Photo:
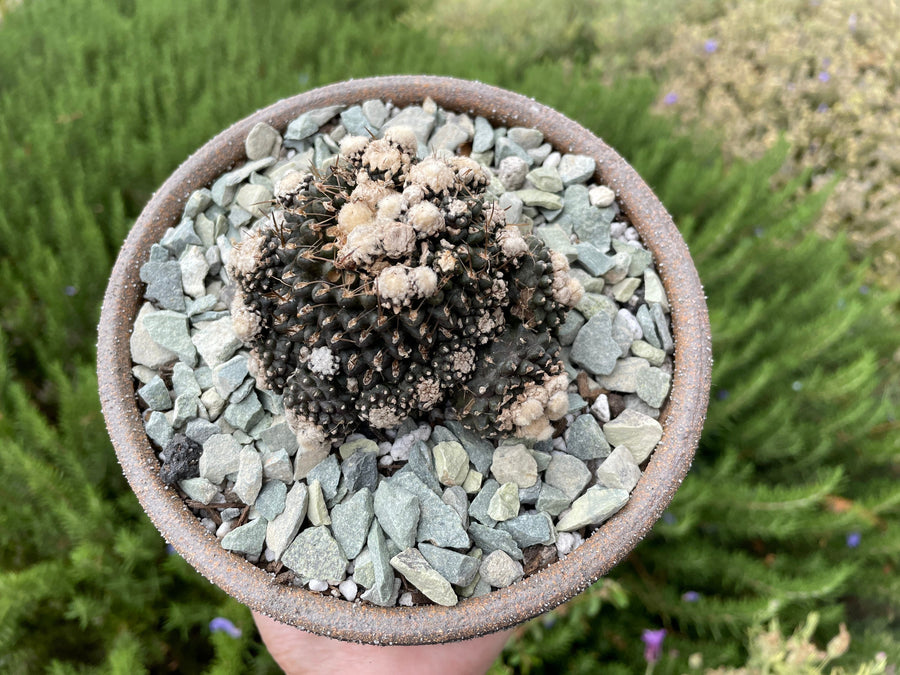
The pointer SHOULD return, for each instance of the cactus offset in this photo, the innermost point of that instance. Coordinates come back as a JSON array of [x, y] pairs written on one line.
[[390, 287]]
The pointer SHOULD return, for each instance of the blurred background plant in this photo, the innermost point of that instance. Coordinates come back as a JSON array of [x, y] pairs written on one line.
[[793, 502]]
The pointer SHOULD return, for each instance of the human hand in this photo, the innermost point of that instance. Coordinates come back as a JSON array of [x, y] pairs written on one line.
[[299, 652]]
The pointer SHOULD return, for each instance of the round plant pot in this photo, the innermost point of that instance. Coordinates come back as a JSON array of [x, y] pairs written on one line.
[[682, 416]]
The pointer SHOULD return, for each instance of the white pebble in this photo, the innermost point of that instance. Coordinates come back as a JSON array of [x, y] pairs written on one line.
[[348, 589], [631, 234], [317, 585], [385, 460], [269, 555], [226, 527], [565, 542], [601, 196], [405, 600], [384, 448], [559, 444], [209, 524], [600, 409]]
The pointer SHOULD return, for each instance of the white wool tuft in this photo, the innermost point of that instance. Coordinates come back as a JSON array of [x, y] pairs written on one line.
[[352, 215], [391, 206], [397, 239], [392, 285], [350, 145], [403, 136], [424, 281], [433, 174], [425, 218], [512, 243], [322, 361]]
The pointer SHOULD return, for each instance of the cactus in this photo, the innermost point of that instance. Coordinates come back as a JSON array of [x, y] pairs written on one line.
[[390, 287]]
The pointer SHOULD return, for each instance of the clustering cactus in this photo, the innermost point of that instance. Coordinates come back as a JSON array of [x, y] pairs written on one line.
[[390, 287]]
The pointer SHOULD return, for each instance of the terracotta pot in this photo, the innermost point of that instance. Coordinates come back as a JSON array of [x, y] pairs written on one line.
[[682, 417]]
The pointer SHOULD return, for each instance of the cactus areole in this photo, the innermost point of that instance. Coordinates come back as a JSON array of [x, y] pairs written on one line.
[[389, 288]]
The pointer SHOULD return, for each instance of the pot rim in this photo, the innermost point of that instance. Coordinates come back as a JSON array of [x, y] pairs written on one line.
[[683, 416]]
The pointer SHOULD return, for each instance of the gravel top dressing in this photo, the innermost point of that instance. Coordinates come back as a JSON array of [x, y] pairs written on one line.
[[356, 469]]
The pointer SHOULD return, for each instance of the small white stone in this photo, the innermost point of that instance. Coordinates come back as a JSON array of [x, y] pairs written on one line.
[[405, 600], [348, 589], [317, 585]]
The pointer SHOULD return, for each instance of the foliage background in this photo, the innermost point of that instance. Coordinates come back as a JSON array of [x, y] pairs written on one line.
[[793, 502]]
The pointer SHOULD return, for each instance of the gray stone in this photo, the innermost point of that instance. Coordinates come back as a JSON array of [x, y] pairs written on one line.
[[545, 179], [376, 112], [484, 135], [201, 430], [247, 539], [249, 476], [350, 448], [592, 508], [570, 327], [511, 172], [397, 511], [511, 206], [222, 191], [530, 529], [314, 554], [480, 451], [254, 198], [530, 495], [441, 434], [472, 484], [155, 394], [567, 473], [653, 386], [576, 168], [193, 271], [540, 153], [262, 141], [417, 119], [169, 330], [514, 464], [457, 568], [421, 464], [654, 292], [273, 403], [328, 473], [488, 539], [619, 470], [197, 202], [283, 528], [438, 523], [638, 432], [351, 521], [526, 137], [505, 503], [221, 456], [360, 470], [245, 171], [619, 269], [552, 500], [184, 382], [185, 408], [455, 496], [317, 511], [164, 286], [159, 253], [245, 413], [585, 439], [594, 348], [279, 437], [576, 404], [661, 322], [228, 376], [216, 341], [416, 569], [595, 303], [539, 198], [199, 489], [593, 259], [505, 147], [363, 569], [648, 327], [592, 225], [624, 376], [448, 137], [309, 122], [451, 463], [623, 290], [382, 588], [478, 509], [206, 230], [634, 402], [270, 500], [182, 235], [307, 458], [499, 570], [144, 350], [277, 466], [651, 354]]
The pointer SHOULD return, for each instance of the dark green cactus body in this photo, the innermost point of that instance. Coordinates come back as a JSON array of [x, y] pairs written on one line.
[[389, 288]]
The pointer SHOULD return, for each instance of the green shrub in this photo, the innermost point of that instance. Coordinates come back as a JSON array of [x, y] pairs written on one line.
[[823, 75]]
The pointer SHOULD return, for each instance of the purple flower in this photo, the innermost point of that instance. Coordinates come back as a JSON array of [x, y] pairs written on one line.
[[824, 76], [722, 394], [669, 518], [853, 539], [690, 596], [823, 108], [653, 640], [223, 625], [170, 550], [710, 46], [670, 98], [70, 290]]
